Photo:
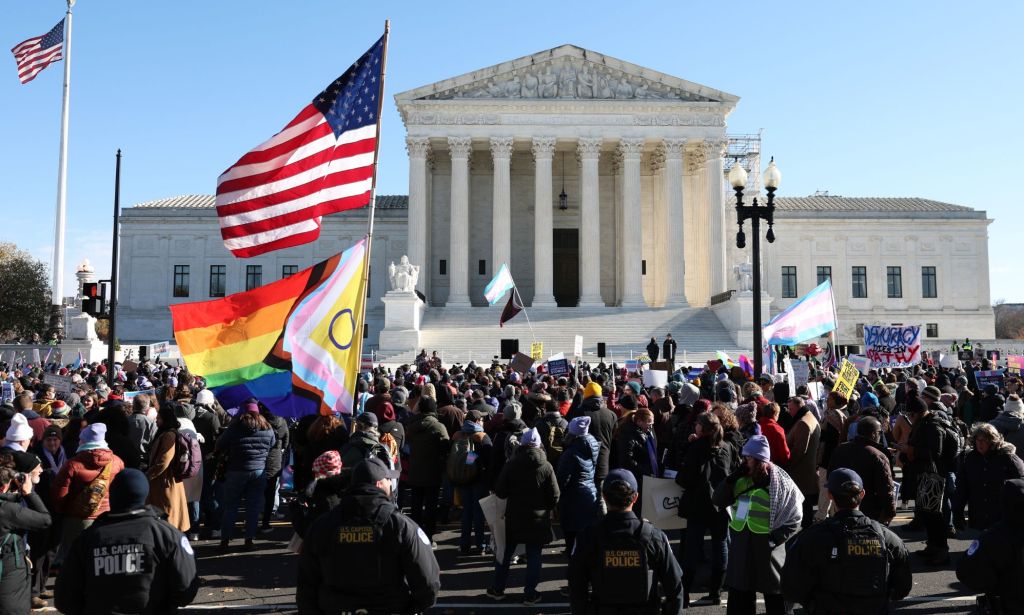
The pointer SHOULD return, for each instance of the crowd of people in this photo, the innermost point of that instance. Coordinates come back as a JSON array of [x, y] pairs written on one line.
[[786, 494]]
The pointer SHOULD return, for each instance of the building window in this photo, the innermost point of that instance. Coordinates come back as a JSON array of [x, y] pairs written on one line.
[[482, 267], [288, 271], [369, 278], [788, 282], [443, 267], [218, 276], [860, 282], [932, 329], [824, 273], [894, 282], [253, 276], [366, 330], [643, 267], [181, 280], [929, 284], [860, 330]]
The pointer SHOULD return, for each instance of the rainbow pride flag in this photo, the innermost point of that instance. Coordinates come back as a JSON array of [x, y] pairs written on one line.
[[294, 344]]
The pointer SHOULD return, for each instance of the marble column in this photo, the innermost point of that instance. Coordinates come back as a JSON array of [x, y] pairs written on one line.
[[458, 265], [501, 216], [543, 267], [700, 267], [632, 236], [589, 152], [714, 150], [418, 148], [674, 200]]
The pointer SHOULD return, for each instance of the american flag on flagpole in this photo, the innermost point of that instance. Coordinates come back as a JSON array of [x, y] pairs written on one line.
[[38, 52], [321, 163]]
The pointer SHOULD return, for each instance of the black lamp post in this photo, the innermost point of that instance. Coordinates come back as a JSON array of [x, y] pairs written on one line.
[[563, 198], [755, 213]]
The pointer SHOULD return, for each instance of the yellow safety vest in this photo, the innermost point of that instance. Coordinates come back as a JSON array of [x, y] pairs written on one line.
[[752, 509]]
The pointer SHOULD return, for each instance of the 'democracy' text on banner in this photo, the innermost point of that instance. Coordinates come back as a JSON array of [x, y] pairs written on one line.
[[892, 346]]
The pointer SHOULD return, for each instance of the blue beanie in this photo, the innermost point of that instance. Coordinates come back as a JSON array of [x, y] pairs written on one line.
[[869, 400], [757, 446]]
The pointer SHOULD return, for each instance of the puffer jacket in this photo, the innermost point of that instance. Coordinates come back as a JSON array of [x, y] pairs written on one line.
[[1010, 423], [980, 481], [602, 427], [280, 427], [427, 440], [77, 474], [575, 475], [632, 449], [247, 448]]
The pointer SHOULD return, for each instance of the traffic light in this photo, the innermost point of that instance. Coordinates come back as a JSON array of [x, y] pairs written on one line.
[[92, 300]]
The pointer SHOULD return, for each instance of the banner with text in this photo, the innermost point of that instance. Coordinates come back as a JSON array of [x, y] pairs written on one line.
[[892, 346], [1015, 363]]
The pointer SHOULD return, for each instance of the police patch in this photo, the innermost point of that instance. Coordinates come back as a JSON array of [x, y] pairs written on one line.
[[974, 547], [423, 536], [185, 546]]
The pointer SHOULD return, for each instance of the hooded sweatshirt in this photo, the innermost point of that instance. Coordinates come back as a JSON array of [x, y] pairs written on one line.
[[77, 474]]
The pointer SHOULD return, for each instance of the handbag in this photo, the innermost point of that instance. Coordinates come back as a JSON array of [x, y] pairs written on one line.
[[931, 487]]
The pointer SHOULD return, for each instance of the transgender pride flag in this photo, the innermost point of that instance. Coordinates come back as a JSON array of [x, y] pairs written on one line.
[[813, 315]]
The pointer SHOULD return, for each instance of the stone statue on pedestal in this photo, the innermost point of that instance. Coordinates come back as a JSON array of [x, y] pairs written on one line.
[[744, 273], [403, 276]]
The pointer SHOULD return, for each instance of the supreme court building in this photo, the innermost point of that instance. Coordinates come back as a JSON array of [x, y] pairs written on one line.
[[601, 184]]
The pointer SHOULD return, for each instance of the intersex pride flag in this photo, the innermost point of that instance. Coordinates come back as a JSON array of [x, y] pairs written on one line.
[[813, 315], [293, 344]]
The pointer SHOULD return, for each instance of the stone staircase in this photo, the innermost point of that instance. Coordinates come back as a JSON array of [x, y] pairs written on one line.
[[463, 334]]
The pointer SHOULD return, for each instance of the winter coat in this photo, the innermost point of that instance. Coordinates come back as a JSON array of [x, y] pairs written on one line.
[[207, 423], [777, 446], [141, 430], [280, 427], [247, 448], [552, 426], [396, 430], [577, 505], [652, 350], [632, 451], [696, 476], [863, 457], [37, 423], [76, 475], [980, 481], [361, 446], [924, 447], [602, 427], [499, 456], [1010, 423], [428, 449], [528, 483], [802, 440], [166, 493], [451, 417], [17, 520]]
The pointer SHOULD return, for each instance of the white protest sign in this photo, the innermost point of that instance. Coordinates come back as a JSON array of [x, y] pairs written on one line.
[[661, 503], [7, 393], [862, 363], [892, 345], [61, 384], [655, 378], [577, 347], [949, 361]]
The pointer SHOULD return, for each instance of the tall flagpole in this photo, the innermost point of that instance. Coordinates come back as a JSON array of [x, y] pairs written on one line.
[[373, 186], [56, 315]]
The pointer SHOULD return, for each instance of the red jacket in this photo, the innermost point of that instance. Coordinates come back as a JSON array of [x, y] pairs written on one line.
[[77, 474], [776, 440]]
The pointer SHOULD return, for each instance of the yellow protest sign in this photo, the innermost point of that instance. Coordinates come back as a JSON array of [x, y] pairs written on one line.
[[537, 351], [847, 379]]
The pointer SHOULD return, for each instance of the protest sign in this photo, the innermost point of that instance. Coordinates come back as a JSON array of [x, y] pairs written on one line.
[[948, 361], [992, 355], [979, 353], [660, 365], [801, 374], [661, 503], [521, 363], [61, 384], [159, 348], [632, 366], [862, 363], [934, 357], [558, 367], [537, 351], [965, 355], [7, 393], [1015, 363], [130, 366], [847, 379], [892, 346], [987, 377], [655, 378], [577, 346], [130, 394]]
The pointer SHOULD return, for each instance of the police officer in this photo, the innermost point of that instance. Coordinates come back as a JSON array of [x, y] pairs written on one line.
[[366, 557], [848, 564], [618, 564], [994, 564], [129, 561]]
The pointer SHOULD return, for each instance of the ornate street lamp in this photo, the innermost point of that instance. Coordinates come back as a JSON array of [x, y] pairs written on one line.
[[755, 213], [563, 198]]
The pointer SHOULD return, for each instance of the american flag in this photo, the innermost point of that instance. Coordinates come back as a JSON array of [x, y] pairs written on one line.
[[321, 163], [38, 52]]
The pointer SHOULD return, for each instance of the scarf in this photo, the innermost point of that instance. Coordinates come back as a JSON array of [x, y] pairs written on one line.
[[786, 499], [55, 464]]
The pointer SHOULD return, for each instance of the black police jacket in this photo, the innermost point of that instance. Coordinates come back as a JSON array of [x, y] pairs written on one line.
[[127, 562], [364, 554], [660, 561], [806, 577], [994, 564]]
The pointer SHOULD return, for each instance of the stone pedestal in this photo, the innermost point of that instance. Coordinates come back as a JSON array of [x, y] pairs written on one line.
[[81, 337], [737, 316], [402, 314]]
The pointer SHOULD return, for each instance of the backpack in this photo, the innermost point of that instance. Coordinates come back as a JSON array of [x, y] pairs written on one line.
[[188, 457], [463, 466], [952, 445], [552, 434], [621, 574], [858, 564]]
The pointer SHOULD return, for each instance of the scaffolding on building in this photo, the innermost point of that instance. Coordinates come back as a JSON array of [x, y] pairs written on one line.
[[746, 150]]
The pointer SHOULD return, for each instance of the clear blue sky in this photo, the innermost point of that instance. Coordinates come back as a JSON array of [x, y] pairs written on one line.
[[873, 98]]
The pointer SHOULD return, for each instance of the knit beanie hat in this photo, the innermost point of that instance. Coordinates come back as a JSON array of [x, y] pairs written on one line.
[[128, 490], [327, 464], [205, 397], [932, 393], [25, 462], [531, 438], [1014, 405], [746, 413], [579, 426], [19, 431], [635, 386], [869, 400], [757, 446], [512, 411], [592, 389], [92, 437]]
